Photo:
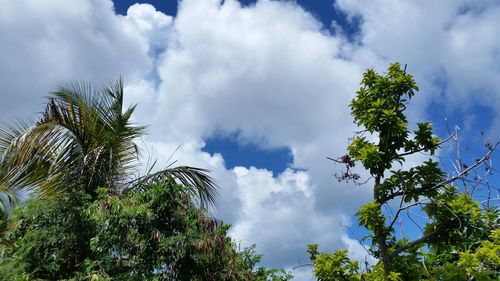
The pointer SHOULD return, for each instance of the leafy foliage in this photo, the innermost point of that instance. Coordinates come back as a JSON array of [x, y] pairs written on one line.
[[460, 238], [48, 239], [156, 234], [84, 135]]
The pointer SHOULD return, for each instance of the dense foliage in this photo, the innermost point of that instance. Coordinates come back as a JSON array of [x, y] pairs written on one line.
[[155, 234], [460, 239]]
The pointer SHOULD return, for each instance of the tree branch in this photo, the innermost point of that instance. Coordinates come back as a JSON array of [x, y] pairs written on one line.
[[401, 208], [445, 182], [424, 148], [302, 265], [414, 243]]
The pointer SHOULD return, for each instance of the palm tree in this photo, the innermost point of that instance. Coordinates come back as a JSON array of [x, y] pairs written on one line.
[[85, 139]]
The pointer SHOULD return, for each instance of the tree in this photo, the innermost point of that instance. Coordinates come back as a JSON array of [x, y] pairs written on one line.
[[458, 226], [85, 135], [94, 220], [152, 234]]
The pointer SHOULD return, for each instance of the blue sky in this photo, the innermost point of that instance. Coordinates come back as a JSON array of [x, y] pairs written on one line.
[[259, 92]]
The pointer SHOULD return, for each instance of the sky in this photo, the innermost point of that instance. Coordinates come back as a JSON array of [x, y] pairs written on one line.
[[258, 92]]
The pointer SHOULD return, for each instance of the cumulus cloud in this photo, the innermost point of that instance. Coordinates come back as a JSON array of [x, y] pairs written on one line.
[[281, 210], [271, 73], [151, 23], [45, 43], [452, 47], [232, 57]]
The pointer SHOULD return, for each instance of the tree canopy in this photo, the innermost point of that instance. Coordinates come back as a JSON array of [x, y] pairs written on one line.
[[460, 238], [89, 217], [154, 234]]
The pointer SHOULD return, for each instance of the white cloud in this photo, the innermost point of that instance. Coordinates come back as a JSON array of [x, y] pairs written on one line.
[[445, 43], [232, 57], [271, 73], [46, 43], [151, 23]]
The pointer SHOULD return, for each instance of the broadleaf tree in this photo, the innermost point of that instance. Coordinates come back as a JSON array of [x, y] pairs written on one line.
[[460, 237]]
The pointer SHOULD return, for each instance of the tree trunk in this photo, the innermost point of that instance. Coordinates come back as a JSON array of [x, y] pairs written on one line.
[[381, 239], [381, 236]]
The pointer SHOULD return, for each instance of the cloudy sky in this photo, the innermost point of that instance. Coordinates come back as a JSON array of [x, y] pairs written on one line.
[[257, 91]]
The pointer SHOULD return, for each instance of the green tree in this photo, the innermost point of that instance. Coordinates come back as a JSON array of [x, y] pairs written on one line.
[[94, 220], [85, 135], [458, 228], [152, 234]]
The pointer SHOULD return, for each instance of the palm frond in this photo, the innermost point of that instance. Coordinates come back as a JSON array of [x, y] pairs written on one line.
[[85, 136], [36, 156], [8, 200], [8, 134], [198, 182]]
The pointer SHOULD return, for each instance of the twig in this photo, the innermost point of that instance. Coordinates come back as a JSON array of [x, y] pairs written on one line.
[[414, 243], [445, 182], [425, 148], [401, 208], [357, 239], [302, 265]]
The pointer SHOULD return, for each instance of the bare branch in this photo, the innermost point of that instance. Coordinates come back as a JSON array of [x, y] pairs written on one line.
[[357, 239], [445, 182], [402, 208], [302, 265], [424, 148], [408, 211]]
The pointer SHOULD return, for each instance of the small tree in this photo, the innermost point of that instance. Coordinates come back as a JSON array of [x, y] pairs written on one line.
[[458, 226]]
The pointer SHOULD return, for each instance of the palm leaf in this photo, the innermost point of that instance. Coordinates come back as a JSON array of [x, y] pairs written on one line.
[[85, 137], [197, 181]]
